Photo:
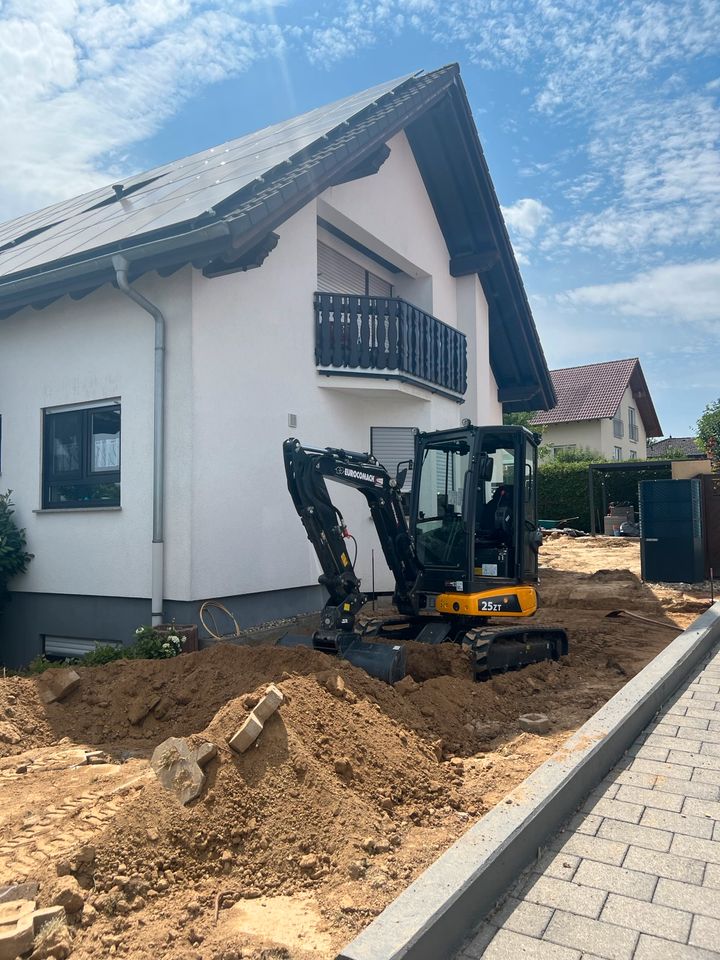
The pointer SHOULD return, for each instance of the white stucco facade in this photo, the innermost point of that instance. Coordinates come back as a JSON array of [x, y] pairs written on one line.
[[240, 360], [599, 435]]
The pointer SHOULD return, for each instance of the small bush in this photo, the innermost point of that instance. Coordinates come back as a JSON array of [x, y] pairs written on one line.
[[149, 644], [14, 558]]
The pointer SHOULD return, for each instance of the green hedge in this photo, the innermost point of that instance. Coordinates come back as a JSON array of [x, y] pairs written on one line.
[[563, 490]]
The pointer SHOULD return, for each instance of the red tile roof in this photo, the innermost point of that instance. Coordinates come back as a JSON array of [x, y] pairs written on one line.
[[594, 391]]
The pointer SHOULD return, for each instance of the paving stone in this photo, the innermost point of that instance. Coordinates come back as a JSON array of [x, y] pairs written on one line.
[[701, 775], [606, 789], [641, 752], [673, 743], [688, 788], [712, 876], [702, 808], [618, 810], [647, 917], [677, 822], [675, 770], [676, 710], [683, 896], [696, 847], [651, 798], [703, 761], [639, 836], [704, 736], [594, 936], [560, 865], [690, 723], [631, 883], [507, 945], [567, 895], [697, 711], [586, 823], [709, 748], [653, 948], [657, 727], [703, 696], [633, 778], [665, 865], [591, 848], [705, 932], [523, 916]]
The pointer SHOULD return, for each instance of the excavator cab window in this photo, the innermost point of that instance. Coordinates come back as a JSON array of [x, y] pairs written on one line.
[[441, 530]]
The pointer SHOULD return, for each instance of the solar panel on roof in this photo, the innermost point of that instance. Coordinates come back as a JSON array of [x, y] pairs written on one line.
[[175, 192]]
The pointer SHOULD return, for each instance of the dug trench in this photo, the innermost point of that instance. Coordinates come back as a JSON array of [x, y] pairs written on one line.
[[351, 790]]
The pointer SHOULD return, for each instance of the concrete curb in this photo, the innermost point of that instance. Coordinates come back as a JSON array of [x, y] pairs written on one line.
[[432, 918]]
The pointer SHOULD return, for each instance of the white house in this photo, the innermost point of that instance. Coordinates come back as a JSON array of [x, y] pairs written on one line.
[[329, 277], [605, 407]]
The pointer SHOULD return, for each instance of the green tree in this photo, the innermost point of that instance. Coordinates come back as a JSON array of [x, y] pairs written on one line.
[[708, 433], [13, 556], [522, 419]]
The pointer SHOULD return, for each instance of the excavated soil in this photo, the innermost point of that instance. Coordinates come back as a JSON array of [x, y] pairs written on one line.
[[352, 789]]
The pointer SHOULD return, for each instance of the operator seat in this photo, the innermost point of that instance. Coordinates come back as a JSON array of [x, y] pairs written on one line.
[[489, 525]]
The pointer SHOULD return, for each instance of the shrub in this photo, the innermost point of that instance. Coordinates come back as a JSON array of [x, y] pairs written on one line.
[[14, 558], [149, 644], [708, 438]]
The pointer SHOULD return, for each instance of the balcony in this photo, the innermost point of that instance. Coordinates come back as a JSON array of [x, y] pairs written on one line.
[[384, 337]]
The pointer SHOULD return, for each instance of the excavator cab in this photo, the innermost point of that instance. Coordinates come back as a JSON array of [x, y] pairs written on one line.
[[473, 517]]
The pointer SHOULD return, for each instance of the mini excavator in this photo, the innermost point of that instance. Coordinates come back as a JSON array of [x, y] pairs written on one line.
[[462, 547]]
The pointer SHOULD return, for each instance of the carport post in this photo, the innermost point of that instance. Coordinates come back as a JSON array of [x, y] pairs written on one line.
[[591, 494]]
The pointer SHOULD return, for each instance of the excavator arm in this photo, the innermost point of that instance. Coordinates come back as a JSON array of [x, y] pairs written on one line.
[[307, 470]]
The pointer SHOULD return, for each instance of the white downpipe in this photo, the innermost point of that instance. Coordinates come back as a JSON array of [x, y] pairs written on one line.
[[158, 546]]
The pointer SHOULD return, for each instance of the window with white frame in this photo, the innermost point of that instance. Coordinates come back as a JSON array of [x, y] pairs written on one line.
[[81, 456], [632, 424], [633, 455], [617, 453], [562, 447]]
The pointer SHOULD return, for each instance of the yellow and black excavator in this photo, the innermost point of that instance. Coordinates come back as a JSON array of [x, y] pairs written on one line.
[[466, 551]]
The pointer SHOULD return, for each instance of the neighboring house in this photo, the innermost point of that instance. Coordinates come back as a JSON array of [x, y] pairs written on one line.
[[673, 446], [344, 276], [605, 407]]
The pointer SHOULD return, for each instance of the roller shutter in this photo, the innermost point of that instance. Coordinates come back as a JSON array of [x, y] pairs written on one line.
[[393, 445], [339, 274]]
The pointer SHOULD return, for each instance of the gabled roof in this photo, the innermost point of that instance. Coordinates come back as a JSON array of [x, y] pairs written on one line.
[[595, 390], [685, 445], [218, 209]]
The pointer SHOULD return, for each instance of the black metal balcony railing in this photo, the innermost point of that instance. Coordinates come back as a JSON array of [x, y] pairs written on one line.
[[633, 431], [383, 333]]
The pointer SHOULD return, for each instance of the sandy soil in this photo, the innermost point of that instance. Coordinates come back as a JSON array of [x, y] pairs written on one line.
[[352, 790]]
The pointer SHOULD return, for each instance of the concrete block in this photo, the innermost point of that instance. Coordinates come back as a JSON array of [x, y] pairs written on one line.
[[253, 726], [271, 700], [534, 723], [41, 918], [591, 936], [16, 938], [247, 734], [664, 865], [54, 685], [647, 917]]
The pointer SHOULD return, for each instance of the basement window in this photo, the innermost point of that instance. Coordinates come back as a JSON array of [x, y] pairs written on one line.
[[81, 456]]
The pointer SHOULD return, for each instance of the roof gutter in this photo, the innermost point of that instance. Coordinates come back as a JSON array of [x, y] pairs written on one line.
[[121, 267]]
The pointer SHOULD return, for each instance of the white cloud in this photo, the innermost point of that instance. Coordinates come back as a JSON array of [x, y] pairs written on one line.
[[688, 292], [81, 81], [526, 217]]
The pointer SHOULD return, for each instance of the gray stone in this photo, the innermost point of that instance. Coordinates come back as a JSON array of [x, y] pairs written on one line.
[[534, 723], [55, 685], [176, 766]]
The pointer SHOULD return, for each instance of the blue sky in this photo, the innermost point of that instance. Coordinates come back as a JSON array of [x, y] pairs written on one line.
[[599, 120]]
